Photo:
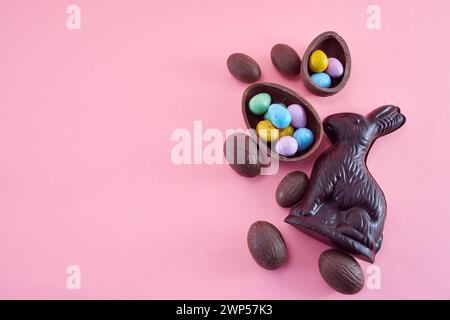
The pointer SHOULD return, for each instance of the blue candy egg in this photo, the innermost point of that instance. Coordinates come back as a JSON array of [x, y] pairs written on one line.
[[279, 115], [266, 115], [304, 137], [322, 80]]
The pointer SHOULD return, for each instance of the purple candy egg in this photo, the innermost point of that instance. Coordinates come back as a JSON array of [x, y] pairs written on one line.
[[335, 68], [298, 116], [287, 146]]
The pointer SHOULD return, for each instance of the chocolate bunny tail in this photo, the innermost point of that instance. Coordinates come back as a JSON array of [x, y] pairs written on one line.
[[387, 119]]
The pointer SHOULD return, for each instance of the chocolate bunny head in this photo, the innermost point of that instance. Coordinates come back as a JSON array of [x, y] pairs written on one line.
[[353, 128]]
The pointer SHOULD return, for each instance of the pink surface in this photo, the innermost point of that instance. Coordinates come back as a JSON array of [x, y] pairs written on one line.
[[86, 117]]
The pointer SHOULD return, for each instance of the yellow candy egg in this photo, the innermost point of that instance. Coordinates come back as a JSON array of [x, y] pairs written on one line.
[[288, 131], [267, 131], [318, 61]]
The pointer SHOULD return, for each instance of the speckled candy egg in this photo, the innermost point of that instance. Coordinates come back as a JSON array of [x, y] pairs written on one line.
[[288, 131], [259, 103], [304, 137], [279, 115], [335, 68], [266, 115], [267, 131], [298, 116], [318, 61], [287, 146], [321, 80]]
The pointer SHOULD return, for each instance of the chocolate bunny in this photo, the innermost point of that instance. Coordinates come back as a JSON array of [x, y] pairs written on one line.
[[343, 205]]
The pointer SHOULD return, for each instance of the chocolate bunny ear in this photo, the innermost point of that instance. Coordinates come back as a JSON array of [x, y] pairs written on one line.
[[386, 119]]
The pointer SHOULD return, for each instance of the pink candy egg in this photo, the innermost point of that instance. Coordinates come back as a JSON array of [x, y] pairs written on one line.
[[298, 116], [287, 146], [335, 68]]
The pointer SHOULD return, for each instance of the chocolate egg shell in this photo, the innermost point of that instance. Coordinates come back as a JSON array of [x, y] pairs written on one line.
[[241, 153], [243, 67], [286, 60], [335, 47], [341, 271], [291, 188], [281, 94], [266, 245]]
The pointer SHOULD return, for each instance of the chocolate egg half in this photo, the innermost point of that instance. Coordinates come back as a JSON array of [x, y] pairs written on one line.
[[333, 45]]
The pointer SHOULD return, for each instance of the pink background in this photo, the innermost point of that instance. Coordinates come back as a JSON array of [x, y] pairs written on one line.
[[86, 117]]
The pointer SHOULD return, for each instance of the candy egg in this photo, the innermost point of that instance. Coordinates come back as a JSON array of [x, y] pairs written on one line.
[[286, 146], [298, 115], [267, 131], [266, 115], [304, 137], [279, 116], [288, 131], [335, 68], [321, 80], [318, 61], [259, 103]]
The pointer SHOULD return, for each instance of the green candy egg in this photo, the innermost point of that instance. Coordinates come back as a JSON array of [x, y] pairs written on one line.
[[260, 103]]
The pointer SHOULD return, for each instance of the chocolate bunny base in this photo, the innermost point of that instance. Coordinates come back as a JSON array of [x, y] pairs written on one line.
[[343, 206]]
